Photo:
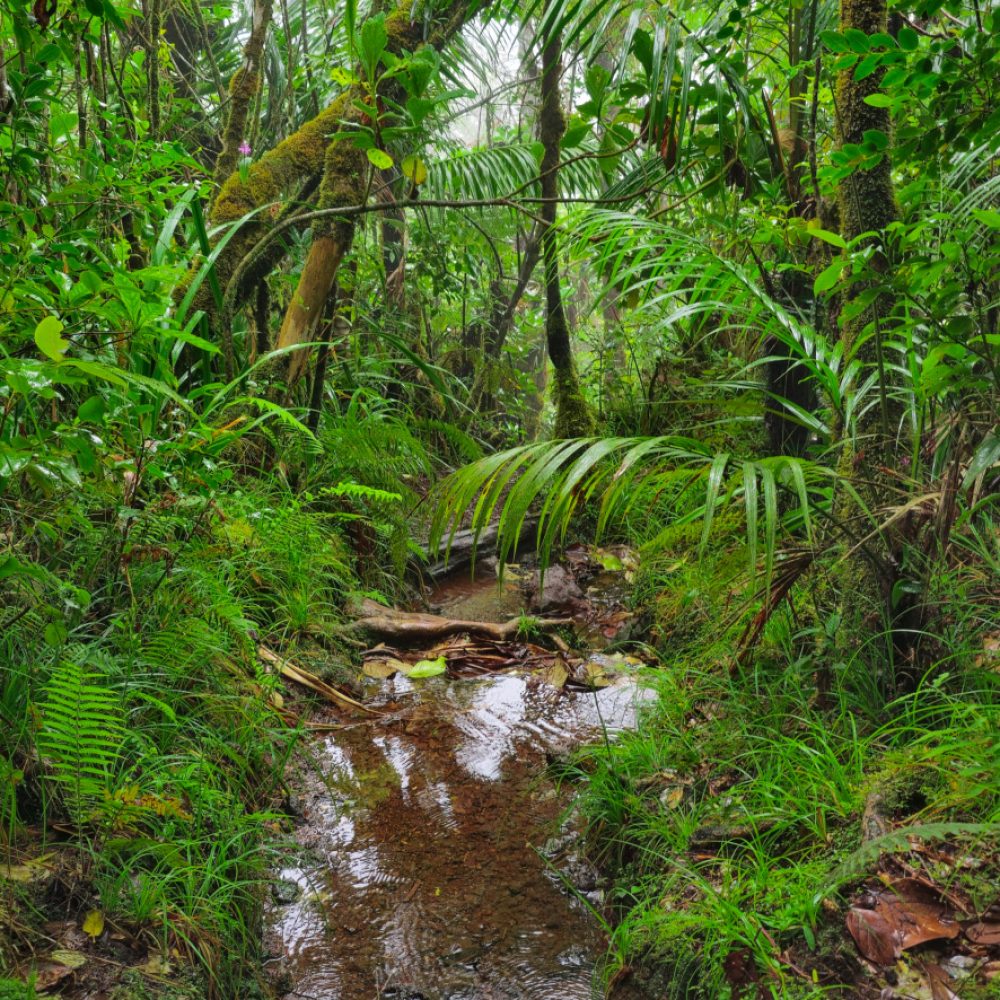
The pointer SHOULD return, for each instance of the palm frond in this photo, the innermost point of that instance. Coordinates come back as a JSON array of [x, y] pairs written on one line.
[[680, 476]]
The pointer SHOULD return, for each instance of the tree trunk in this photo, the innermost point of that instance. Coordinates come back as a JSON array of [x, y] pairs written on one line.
[[866, 200], [499, 323], [573, 417], [867, 205], [302, 157], [242, 93]]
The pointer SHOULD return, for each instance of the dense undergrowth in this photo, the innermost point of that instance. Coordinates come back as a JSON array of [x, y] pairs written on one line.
[[735, 817], [796, 427], [144, 742]]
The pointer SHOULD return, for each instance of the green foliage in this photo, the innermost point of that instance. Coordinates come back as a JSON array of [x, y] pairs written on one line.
[[167, 503], [81, 737]]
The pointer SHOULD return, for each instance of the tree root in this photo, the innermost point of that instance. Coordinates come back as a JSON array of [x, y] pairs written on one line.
[[413, 627]]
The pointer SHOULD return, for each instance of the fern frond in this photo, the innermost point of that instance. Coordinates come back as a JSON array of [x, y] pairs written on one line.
[[81, 738], [896, 841]]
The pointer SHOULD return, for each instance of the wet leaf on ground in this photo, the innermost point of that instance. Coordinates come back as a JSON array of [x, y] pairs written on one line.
[[93, 924], [383, 667], [555, 674], [876, 936], [427, 668], [940, 983], [984, 932], [57, 966], [906, 913]]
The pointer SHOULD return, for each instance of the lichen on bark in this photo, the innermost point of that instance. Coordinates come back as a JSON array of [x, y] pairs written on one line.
[[300, 157]]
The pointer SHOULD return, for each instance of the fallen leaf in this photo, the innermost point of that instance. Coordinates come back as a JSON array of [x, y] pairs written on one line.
[[71, 959], [940, 983], [919, 912], [383, 667], [155, 965], [608, 560], [592, 673], [671, 798], [906, 913], [983, 932], [427, 668], [877, 937], [555, 674], [93, 924]]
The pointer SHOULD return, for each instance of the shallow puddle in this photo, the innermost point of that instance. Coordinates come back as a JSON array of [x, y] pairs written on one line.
[[426, 877]]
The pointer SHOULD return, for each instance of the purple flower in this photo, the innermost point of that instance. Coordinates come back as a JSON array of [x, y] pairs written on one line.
[[244, 148]]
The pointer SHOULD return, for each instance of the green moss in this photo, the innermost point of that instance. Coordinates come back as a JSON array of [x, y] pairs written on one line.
[[573, 416], [343, 186], [866, 201], [301, 154]]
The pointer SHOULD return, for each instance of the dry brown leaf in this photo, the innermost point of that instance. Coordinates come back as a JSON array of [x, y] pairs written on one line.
[[919, 912], [940, 982], [383, 667], [983, 932], [906, 913], [57, 966], [877, 937]]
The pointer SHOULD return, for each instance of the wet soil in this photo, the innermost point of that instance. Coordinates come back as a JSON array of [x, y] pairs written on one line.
[[436, 857]]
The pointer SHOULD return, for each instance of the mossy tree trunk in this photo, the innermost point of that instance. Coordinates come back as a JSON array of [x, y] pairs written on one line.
[[867, 204], [243, 92], [573, 416], [343, 185], [300, 159]]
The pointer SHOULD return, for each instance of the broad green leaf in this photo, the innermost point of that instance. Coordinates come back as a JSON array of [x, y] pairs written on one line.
[[49, 338], [379, 159], [987, 216], [428, 668], [834, 239], [414, 169], [828, 277], [372, 40]]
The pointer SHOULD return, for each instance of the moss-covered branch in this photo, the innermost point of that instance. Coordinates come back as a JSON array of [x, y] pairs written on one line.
[[343, 185], [242, 92], [301, 156]]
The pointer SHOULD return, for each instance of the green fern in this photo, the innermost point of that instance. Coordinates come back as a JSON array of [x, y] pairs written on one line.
[[81, 738], [861, 860]]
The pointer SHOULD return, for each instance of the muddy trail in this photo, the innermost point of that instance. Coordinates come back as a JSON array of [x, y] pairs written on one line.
[[438, 859]]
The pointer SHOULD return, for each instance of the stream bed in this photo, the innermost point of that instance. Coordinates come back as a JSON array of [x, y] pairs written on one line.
[[438, 859]]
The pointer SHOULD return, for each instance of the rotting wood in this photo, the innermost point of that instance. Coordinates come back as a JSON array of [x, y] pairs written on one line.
[[463, 546], [413, 626], [291, 672]]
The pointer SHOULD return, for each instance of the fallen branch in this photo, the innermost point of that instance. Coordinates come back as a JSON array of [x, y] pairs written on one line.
[[410, 626], [291, 672]]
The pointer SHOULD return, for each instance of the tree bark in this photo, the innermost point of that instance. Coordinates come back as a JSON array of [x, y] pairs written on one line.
[[573, 417], [302, 156], [867, 205], [242, 92]]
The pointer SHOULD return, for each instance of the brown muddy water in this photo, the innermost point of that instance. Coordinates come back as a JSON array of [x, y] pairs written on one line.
[[437, 861]]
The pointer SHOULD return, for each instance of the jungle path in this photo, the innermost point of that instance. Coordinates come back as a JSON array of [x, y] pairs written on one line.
[[438, 868]]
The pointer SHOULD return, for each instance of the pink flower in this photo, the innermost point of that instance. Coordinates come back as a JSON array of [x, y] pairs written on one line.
[[244, 148]]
